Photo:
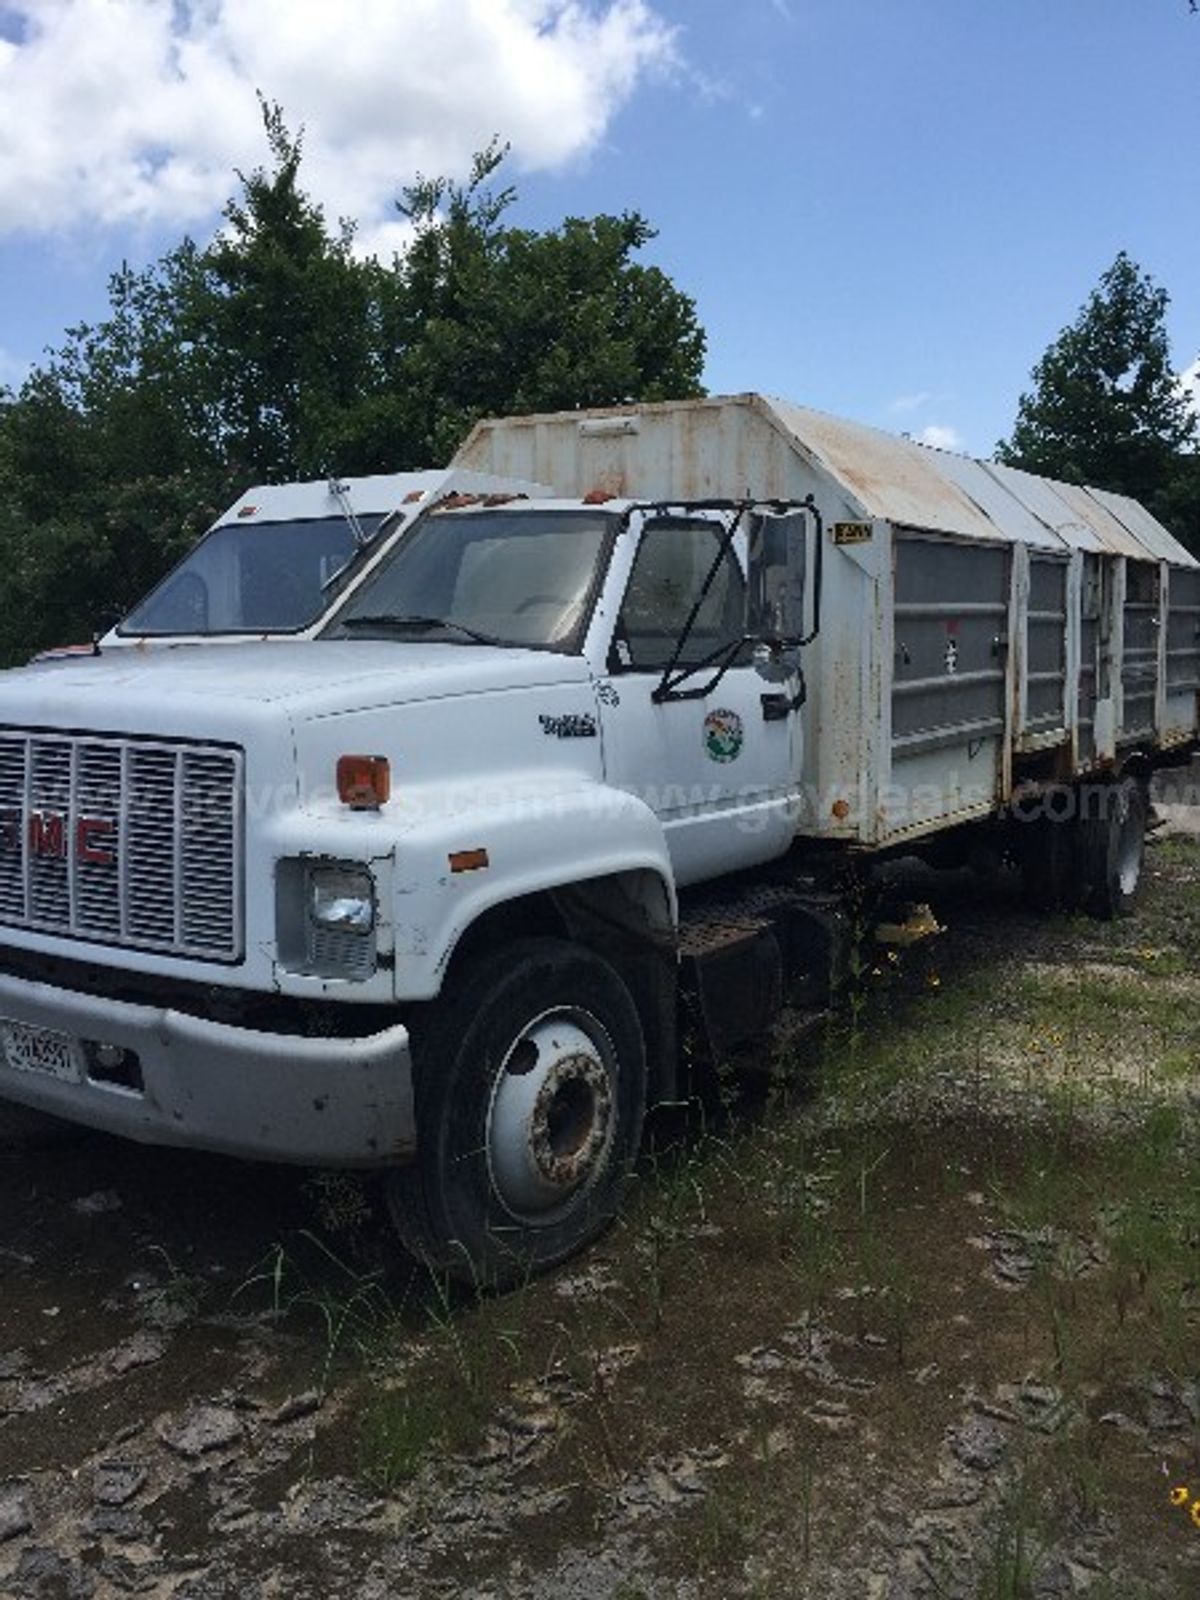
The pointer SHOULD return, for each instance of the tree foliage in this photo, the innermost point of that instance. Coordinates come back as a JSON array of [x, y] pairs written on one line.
[[276, 353], [1107, 408]]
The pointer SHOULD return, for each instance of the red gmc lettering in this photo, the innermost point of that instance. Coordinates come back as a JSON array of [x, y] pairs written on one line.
[[87, 831]]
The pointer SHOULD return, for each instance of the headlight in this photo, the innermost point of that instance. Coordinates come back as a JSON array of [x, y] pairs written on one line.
[[342, 897], [325, 918]]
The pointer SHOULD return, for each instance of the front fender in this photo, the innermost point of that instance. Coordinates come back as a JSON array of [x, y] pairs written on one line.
[[540, 842]]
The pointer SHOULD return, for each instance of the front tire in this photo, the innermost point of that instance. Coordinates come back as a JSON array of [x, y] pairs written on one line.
[[531, 1089]]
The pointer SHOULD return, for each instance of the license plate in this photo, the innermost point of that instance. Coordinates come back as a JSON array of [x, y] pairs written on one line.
[[41, 1050]]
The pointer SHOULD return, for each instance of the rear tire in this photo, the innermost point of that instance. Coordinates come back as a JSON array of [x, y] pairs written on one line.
[[1048, 853], [1112, 845], [531, 1090]]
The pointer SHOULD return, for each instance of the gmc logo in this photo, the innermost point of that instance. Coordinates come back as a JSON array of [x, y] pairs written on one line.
[[46, 834]]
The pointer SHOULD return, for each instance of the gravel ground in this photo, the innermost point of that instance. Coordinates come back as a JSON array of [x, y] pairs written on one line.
[[189, 1348]]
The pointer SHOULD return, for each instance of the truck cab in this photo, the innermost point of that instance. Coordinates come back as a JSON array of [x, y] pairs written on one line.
[[398, 887]]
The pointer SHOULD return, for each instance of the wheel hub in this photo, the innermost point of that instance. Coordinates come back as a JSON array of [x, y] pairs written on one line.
[[1129, 846], [551, 1117]]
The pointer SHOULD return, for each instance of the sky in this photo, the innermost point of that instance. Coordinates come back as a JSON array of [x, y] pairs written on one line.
[[886, 209]]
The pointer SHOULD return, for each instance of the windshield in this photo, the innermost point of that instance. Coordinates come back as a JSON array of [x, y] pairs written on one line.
[[497, 577], [251, 578]]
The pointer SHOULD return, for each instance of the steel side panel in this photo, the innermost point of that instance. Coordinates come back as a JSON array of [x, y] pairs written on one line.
[[1181, 652], [1044, 640], [1140, 650]]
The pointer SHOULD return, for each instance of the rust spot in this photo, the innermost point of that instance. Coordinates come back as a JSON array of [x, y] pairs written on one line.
[[571, 1120]]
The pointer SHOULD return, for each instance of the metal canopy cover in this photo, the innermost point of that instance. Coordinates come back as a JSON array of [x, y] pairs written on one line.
[[917, 486]]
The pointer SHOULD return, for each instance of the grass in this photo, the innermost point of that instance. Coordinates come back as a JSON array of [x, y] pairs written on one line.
[[823, 1244]]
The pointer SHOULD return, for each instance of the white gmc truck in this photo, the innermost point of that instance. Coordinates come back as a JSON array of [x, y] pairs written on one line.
[[389, 829]]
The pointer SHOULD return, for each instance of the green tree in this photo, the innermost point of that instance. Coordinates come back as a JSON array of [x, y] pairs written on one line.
[[275, 353], [1106, 407], [280, 323], [485, 319]]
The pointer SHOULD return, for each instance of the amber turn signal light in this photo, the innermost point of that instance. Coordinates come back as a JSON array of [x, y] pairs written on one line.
[[364, 783]]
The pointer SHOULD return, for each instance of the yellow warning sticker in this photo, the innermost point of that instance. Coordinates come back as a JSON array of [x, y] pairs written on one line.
[[851, 532]]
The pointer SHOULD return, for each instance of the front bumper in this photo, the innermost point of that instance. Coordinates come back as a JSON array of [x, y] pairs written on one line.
[[213, 1086]]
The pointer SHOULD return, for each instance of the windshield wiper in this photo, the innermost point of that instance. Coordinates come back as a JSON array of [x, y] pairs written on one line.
[[390, 619]]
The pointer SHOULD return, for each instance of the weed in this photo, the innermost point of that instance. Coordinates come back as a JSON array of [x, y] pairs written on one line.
[[352, 1307], [177, 1296], [1011, 1562], [397, 1433]]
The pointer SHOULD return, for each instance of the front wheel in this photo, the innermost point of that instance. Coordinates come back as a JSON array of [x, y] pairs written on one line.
[[531, 1085]]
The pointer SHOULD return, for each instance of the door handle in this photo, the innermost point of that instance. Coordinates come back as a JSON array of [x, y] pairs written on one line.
[[778, 707]]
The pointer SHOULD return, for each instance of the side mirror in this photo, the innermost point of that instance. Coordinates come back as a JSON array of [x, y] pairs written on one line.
[[777, 563]]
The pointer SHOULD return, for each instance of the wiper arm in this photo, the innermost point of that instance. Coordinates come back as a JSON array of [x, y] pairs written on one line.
[[341, 493], [360, 551], [390, 619]]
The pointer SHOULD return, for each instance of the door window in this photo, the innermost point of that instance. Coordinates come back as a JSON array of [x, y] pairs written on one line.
[[673, 562]]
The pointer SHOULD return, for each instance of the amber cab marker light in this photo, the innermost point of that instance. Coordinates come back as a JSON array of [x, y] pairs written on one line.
[[364, 783], [468, 860]]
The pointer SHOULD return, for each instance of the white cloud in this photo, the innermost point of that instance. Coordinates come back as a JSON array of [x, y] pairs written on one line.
[[905, 404], [135, 111], [942, 437]]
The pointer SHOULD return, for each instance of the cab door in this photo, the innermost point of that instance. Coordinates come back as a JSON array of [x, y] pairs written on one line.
[[712, 748]]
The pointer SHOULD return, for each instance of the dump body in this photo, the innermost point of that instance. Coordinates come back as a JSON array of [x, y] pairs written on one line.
[[982, 629]]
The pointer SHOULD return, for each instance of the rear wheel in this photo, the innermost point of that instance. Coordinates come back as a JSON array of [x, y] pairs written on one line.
[[1047, 849], [1112, 846], [530, 1098]]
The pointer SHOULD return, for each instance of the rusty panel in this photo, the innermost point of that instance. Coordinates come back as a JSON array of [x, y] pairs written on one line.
[[891, 478], [750, 445], [1041, 497], [1010, 515], [688, 450], [1147, 530], [1114, 536]]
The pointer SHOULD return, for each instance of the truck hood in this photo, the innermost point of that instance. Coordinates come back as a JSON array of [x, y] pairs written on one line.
[[315, 678]]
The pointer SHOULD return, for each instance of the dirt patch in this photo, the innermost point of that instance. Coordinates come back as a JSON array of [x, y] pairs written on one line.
[[917, 1316]]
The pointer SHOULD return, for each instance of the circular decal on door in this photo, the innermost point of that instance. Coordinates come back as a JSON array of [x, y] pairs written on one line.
[[723, 735]]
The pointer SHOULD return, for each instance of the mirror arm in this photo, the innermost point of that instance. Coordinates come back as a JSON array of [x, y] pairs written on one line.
[[810, 506]]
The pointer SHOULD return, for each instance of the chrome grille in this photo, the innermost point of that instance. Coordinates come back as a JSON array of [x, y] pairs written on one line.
[[122, 841]]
